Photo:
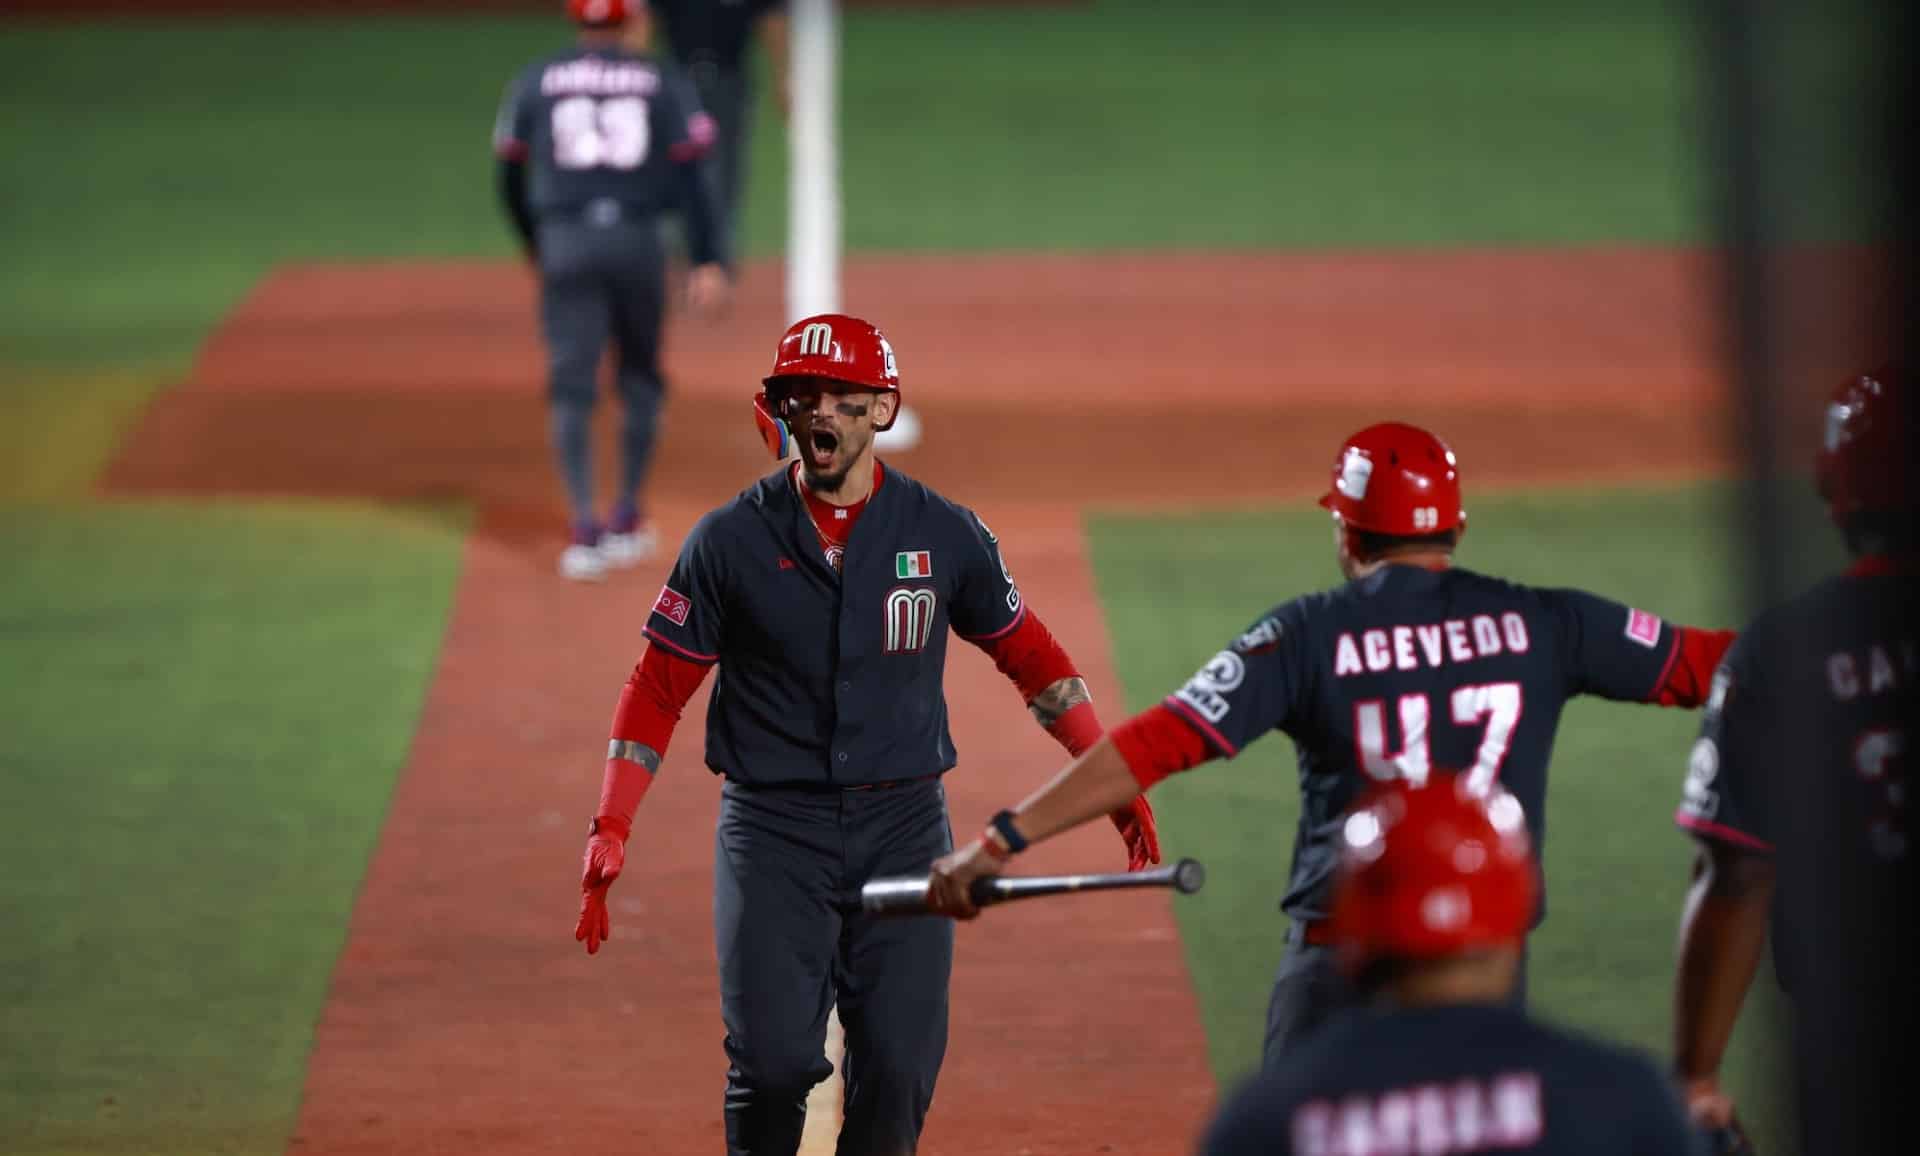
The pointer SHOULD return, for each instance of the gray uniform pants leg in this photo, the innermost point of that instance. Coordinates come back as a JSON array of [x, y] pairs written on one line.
[[1311, 989], [602, 281], [1307, 992], [785, 860]]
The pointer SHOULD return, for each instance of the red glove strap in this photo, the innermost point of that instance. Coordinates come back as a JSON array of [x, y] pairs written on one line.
[[1077, 730]]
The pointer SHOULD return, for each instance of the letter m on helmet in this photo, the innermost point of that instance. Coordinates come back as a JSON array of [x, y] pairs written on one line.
[[816, 340]]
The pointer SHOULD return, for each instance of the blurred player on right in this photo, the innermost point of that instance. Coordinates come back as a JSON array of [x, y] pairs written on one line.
[[1434, 889], [1796, 796]]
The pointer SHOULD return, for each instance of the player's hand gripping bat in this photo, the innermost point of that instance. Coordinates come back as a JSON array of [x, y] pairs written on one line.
[[907, 894]]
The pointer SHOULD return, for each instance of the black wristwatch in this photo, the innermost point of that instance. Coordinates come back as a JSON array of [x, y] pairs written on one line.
[[1003, 824]]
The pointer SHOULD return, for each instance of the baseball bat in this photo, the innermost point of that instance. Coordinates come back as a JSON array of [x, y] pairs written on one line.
[[907, 894]]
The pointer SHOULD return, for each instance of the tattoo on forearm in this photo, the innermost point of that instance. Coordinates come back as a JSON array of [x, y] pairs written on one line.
[[1058, 699], [634, 752]]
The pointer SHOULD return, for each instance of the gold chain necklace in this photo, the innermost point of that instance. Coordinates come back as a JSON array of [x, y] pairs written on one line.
[[834, 549]]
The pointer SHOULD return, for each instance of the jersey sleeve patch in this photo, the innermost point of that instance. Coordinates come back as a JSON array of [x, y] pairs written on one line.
[[673, 606], [1264, 636], [1643, 628]]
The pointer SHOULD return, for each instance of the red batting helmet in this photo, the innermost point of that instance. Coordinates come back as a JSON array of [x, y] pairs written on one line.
[[827, 347], [1432, 870], [1394, 478], [1865, 461], [601, 13]]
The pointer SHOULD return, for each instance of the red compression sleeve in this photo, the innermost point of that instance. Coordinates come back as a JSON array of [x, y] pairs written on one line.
[[1030, 656], [1689, 675], [650, 704], [1157, 743], [1033, 659]]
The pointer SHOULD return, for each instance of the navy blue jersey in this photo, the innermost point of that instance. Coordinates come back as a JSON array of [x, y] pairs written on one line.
[[1454, 1079], [1408, 669], [825, 676], [1806, 731], [600, 124], [711, 32]]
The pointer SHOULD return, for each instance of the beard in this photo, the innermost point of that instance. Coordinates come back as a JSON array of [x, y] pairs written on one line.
[[827, 471]]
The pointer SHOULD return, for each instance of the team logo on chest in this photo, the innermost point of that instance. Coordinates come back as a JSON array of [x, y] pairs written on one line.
[[909, 618]]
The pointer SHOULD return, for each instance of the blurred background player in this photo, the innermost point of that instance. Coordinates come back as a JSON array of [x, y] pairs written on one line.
[[1435, 887], [595, 146], [1413, 663], [1802, 758], [710, 40]]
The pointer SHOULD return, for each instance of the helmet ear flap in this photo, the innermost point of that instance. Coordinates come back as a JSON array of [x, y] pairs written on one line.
[[772, 426]]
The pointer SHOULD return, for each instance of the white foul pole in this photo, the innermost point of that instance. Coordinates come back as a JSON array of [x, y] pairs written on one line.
[[813, 158], [813, 286]]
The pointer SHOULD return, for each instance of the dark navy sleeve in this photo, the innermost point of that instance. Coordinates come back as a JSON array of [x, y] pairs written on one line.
[[1255, 685], [1722, 797], [689, 616], [685, 130], [513, 127], [680, 125], [986, 602], [1610, 649]]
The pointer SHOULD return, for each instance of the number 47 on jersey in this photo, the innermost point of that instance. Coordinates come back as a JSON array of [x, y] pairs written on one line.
[[1493, 705]]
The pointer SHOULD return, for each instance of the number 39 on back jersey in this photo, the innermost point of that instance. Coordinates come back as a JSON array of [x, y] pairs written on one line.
[[600, 125]]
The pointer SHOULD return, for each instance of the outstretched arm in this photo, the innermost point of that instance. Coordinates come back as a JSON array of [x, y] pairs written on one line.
[[1060, 702], [1136, 754], [1689, 673]]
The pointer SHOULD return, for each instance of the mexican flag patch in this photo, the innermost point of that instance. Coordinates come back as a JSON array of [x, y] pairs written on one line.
[[913, 564]]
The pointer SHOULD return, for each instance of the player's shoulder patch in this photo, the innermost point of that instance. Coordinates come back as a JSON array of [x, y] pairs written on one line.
[[673, 606], [1643, 628], [1262, 637]]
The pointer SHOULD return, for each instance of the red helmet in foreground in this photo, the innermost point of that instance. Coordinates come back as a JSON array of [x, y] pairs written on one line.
[[1865, 461], [1394, 478], [599, 13], [824, 350], [1432, 870]]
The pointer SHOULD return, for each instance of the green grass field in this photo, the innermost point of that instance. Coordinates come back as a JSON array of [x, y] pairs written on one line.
[[159, 167], [202, 710], [198, 739]]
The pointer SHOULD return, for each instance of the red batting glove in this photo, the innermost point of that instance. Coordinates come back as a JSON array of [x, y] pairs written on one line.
[[606, 854], [1135, 823]]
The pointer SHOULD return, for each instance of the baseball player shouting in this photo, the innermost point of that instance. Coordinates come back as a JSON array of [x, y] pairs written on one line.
[[1432, 894], [596, 145], [1413, 663], [1804, 748], [823, 593]]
